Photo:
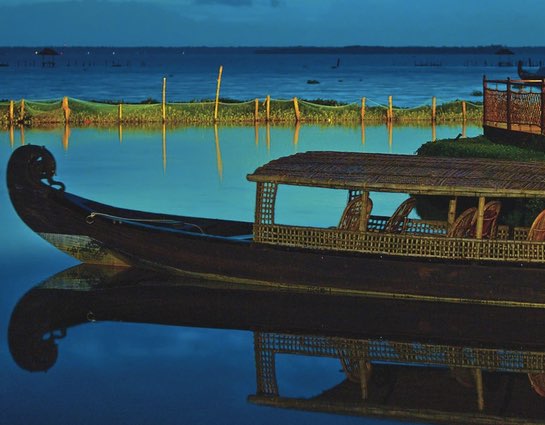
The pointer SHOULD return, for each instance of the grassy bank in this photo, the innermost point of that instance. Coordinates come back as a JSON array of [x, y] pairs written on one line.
[[81, 112]]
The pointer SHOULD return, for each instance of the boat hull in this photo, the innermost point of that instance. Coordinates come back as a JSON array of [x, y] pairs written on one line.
[[221, 249]]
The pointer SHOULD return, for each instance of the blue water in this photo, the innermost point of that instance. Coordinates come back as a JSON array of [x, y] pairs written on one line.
[[136, 74], [126, 373]]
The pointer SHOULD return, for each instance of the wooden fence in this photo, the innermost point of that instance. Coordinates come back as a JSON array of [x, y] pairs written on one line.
[[514, 105]]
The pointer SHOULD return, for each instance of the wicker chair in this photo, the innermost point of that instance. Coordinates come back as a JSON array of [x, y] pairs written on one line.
[[463, 226], [490, 220], [397, 223], [350, 219], [537, 231]]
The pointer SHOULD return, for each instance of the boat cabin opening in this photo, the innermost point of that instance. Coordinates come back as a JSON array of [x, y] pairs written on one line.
[[473, 233]]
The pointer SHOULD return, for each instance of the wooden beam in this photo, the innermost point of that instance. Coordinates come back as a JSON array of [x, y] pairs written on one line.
[[480, 218], [363, 212], [451, 212]]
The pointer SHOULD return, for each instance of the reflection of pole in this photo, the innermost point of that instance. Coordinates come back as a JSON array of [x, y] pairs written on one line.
[[464, 128], [363, 133], [22, 129], [66, 136], [218, 94], [11, 138], [218, 153], [296, 134], [390, 135], [120, 133], [164, 131], [268, 137], [164, 101], [256, 134], [433, 133]]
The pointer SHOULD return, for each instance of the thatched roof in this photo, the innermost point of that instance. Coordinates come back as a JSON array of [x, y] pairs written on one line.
[[407, 173]]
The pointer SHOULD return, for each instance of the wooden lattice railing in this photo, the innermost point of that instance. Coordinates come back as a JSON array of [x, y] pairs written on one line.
[[515, 105]]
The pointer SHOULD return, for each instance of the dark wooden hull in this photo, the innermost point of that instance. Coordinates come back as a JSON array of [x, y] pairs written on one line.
[[217, 248]]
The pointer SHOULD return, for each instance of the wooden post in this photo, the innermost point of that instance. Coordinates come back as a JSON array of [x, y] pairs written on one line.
[[120, 113], [364, 377], [543, 106], [362, 109], [164, 102], [451, 212], [296, 108], [66, 109], [485, 88], [11, 115], [508, 103], [218, 94], [464, 111], [479, 387], [433, 108], [363, 212], [480, 218], [390, 109], [433, 132], [256, 111], [268, 108], [22, 113]]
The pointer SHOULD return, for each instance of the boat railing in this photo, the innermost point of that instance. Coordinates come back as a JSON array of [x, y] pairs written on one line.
[[405, 244], [413, 226], [514, 105]]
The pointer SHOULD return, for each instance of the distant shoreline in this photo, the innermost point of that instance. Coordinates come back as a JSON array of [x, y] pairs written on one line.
[[355, 49]]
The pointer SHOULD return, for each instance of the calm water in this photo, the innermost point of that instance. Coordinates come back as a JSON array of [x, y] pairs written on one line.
[[138, 373], [135, 74]]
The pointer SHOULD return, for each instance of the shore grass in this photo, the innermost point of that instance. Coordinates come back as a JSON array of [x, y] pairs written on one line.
[[82, 112]]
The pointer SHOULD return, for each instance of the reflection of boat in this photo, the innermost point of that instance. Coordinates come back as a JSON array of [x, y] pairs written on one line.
[[430, 383], [473, 360], [359, 255], [538, 74]]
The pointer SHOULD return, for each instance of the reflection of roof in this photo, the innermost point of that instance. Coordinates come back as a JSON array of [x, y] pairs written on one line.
[[407, 173], [48, 52]]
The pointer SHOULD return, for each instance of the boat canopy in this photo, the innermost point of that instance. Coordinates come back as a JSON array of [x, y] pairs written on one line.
[[407, 173]]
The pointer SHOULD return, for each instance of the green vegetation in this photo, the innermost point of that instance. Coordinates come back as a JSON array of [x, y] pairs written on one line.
[[39, 113]]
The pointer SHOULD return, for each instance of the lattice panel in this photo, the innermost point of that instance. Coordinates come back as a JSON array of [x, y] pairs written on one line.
[[265, 201], [409, 245], [495, 105], [402, 352], [526, 108]]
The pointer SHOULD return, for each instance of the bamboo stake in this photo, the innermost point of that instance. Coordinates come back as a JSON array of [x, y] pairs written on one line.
[[268, 107], [120, 113], [66, 109], [219, 160], [256, 111], [464, 111], [164, 146], [363, 133], [164, 103], [362, 109], [433, 132], [218, 94], [22, 113], [390, 109], [433, 108], [11, 108], [11, 136], [296, 108]]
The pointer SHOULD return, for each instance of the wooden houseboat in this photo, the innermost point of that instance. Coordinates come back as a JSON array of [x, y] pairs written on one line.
[[472, 258]]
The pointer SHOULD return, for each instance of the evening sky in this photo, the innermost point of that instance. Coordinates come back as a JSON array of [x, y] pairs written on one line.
[[271, 22]]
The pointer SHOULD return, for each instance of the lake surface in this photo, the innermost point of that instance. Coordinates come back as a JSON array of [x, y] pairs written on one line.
[[107, 371], [136, 74]]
